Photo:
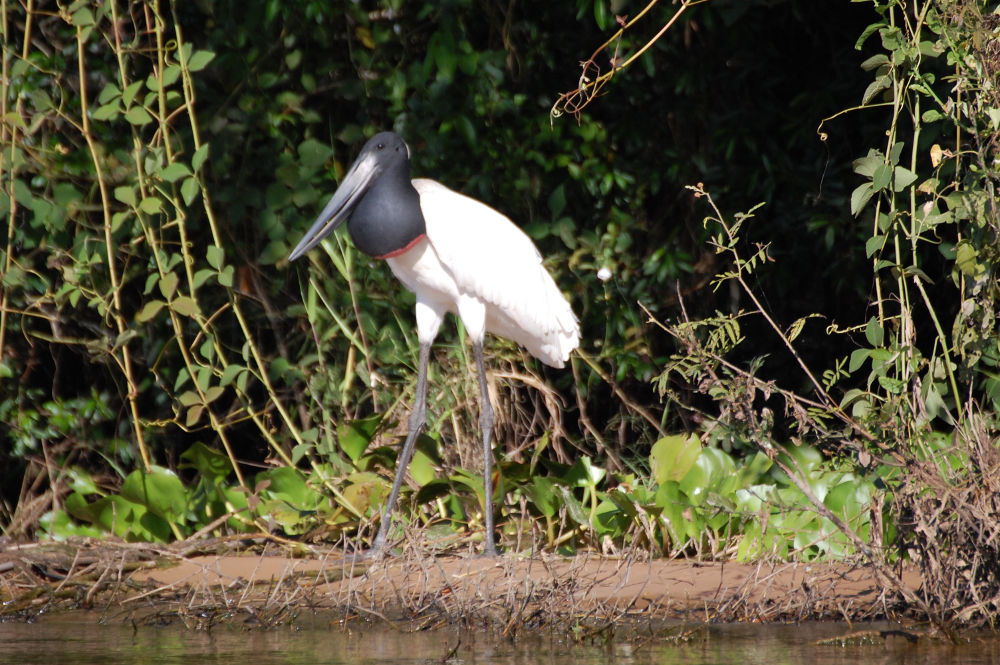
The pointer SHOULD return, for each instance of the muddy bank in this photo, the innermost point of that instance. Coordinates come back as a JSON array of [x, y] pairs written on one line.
[[268, 583]]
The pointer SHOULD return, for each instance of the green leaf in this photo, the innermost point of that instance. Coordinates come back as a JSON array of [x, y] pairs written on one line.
[[878, 85], [875, 62], [151, 205], [149, 310], [882, 177], [573, 506], [796, 328], [170, 75], [80, 480], [125, 194], [185, 306], [313, 154], [106, 112], [215, 256], [168, 285], [193, 415], [58, 525], [213, 393], [672, 457], [874, 333], [108, 93], [858, 358], [542, 493], [199, 60], [860, 197], [873, 245], [174, 172], [557, 201], [583, 473], [128, 95], [199, 157], [202, 276], [967, 259], [422, 468], [355, 435], [288, 484], [866, 165], [83, 17], [365, 491], [189, 190], [211, 463], [137, 115], [903, 178], [160, 490], [230, 373]]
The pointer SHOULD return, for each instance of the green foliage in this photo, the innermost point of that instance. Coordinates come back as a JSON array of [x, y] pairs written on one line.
[[147, 307]]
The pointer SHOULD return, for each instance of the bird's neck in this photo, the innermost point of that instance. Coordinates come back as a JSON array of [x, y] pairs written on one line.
[[388, 220]]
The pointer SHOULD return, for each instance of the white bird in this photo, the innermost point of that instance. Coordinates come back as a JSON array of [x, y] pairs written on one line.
[[457, 255]]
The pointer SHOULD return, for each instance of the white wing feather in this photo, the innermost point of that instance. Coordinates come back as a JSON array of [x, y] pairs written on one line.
[[493, 260]]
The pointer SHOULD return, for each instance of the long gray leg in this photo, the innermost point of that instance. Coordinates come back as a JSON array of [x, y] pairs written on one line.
[[486, 424], [418, 418]]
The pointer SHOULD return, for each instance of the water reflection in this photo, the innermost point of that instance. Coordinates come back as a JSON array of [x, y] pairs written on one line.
[[82, 639]]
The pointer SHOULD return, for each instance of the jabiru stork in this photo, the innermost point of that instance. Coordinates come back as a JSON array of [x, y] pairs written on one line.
[[457, 255]]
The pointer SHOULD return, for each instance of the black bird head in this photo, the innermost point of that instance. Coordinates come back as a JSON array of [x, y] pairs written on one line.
[[377, 196]]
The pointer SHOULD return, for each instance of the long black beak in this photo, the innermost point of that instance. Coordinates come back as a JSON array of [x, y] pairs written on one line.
[[354, 185]]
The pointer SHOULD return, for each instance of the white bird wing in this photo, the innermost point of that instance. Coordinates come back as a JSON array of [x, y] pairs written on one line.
[[493, 260]]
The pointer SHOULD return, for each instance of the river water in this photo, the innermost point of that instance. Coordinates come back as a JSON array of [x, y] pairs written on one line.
[[85, 639]]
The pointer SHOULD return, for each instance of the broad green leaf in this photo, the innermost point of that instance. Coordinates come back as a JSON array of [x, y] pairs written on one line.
[[874, 332], [58, 525], [193, 415], [313, 154], [202, 276], [903, 178], [159, 489], [673, 456], [365, 491], [174, 172], [882, 177], [215, 256], [288, 484], [199, 157], [125, 194], [151, 205], [866, 165], [81, 481], [967, 259], [209, 462], [355, 435], [858, 358], [185, 305], [860, 197], [230, 373], [137, 115], [107, 112], [168, 284], [584, 474], [542, 493], [213, 393], [199, 60], [131, 90], [422, 468], [149, 310], [573, 506], [83, 17], [189, 190]]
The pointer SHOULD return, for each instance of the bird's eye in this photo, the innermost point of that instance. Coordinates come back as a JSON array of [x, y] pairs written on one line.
[[381, 146]]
